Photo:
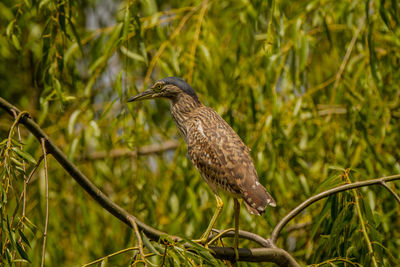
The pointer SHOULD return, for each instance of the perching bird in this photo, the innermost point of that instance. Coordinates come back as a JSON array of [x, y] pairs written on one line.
[[214, 148]]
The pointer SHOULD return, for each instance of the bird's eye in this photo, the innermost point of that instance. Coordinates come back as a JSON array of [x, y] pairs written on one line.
[[157, 87]]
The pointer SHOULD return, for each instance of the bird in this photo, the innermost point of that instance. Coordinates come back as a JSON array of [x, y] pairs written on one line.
[[215, 149]]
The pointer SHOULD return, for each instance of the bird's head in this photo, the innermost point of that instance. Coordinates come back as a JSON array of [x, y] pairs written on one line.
[[170, 88]]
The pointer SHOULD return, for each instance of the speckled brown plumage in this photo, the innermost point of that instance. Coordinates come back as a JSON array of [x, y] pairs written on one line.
[[213, 146], [219, 154]]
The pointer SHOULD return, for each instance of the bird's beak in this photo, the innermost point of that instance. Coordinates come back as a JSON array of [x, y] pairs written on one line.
[[149, 93]]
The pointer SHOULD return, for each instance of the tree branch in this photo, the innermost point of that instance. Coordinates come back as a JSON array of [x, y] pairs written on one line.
[[391, 191], [246, 235], [46, 222], [296, 227], [278, 228], [124, 152], [279, 256]]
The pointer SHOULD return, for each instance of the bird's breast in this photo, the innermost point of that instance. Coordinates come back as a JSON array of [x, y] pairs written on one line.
[[182, 123]]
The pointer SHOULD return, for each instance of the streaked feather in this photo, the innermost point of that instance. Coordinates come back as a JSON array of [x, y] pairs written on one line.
[[219, 154]]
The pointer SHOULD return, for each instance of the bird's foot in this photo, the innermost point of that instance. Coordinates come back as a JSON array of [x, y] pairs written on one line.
[[202, 241]]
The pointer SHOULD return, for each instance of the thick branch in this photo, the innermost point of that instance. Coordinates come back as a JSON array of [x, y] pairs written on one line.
[[246, 235], [278, 228], [276, 255]]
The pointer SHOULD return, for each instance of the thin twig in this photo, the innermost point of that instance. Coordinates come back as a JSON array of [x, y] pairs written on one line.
[[246, 235], [345, 60], [25, 178], [196, 41], [391, 191], [17, 120], [262, 122], [26, 182], [360, 217], [43, 141], [34, 169], [164, 255], [310, 92], [110, 255], [23, 167], [148, 23], [164, 45], [296, 227], [331, 261], [278, 228], [219, 235], [140, 241]]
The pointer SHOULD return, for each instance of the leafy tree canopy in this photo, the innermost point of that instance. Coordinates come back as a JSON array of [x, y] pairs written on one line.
[[312, 87]]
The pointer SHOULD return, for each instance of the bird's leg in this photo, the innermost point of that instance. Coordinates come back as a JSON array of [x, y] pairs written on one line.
[[204, 237], [236, 238]]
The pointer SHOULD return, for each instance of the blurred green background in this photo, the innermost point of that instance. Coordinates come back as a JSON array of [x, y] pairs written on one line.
[[312, 87]]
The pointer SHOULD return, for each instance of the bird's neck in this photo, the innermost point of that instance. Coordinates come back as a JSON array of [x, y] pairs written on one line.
[[182, 108]]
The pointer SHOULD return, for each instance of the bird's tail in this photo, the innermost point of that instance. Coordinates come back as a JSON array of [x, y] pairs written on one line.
[[257, 201]]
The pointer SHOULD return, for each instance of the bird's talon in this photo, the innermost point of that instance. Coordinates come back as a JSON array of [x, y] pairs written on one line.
[[201, 241]]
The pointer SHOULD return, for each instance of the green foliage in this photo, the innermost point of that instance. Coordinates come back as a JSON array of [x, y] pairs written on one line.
[[312, 87]]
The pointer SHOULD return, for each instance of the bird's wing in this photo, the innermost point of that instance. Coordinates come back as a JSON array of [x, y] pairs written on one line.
[[224, 160]]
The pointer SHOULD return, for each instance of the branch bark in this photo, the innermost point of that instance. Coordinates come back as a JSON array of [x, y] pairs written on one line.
[[391, 191], [279, 256], [266, 243], [278, 228]]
